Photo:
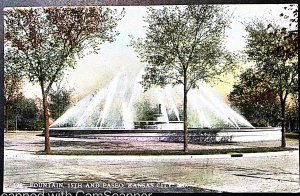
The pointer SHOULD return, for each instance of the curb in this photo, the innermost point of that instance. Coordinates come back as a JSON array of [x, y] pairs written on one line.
[[173, 157], [160, 157]]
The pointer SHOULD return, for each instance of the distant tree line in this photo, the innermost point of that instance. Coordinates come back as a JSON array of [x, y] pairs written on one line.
[[22, 113], [255, 98]]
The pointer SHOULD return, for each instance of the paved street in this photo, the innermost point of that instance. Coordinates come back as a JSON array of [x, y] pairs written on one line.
[[278, 172]]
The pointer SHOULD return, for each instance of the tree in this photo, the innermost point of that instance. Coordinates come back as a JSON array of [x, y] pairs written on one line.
[[275, 53], [26, 114], [60, 100], [255, 98], [292, 115], [291, 15], [12, 86], [145, 111], [46, 41], [183, 45]]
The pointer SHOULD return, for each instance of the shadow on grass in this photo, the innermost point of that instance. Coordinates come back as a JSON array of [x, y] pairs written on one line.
[[172, 152], [292, 135], [89, 145]]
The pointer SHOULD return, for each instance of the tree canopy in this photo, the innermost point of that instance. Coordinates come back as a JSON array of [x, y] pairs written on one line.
[[184, 39], [255, 98], [184, 45], [13, 81], [59, 100], [46, 41], [274, 50]]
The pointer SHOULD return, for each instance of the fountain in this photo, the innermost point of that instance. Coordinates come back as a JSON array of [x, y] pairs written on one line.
[[123, 106]]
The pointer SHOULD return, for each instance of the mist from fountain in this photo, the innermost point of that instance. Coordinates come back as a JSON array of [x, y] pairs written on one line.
[[213, 108], [89, 110], [128, 101], [172, 102], [109, 99], [115, 105]]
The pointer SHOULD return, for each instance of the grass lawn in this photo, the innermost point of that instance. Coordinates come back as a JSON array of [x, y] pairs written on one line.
[[292, 137], [26, 140]]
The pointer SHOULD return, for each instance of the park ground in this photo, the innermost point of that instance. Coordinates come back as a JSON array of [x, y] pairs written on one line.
[[25, 167]]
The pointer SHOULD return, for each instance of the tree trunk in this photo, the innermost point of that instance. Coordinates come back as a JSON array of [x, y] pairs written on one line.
[[283, 140], [185, 131], [46, 123]]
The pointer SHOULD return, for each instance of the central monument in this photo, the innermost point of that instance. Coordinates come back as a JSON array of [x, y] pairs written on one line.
[[159, 122]]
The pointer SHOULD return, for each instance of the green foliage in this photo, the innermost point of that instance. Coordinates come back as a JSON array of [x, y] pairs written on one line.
[[193, 120], [26, 113], [145, 111], [275, 52], [12, 79], [17, 107], [45, 41], [26, 108], [114, 120], [184, 45], [255, 98], [184, 39], [171, 115], [60, 100], [12, 86], [292, 115]]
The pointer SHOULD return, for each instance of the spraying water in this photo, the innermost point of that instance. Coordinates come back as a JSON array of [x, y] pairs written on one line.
[[117, 102], [172, 102], [109, 99]]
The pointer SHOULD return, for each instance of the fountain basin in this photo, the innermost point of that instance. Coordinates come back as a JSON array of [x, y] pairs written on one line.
[[172, 135], [162, 125]]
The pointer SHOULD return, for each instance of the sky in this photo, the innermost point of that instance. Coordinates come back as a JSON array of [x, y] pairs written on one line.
[[94, 71]]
